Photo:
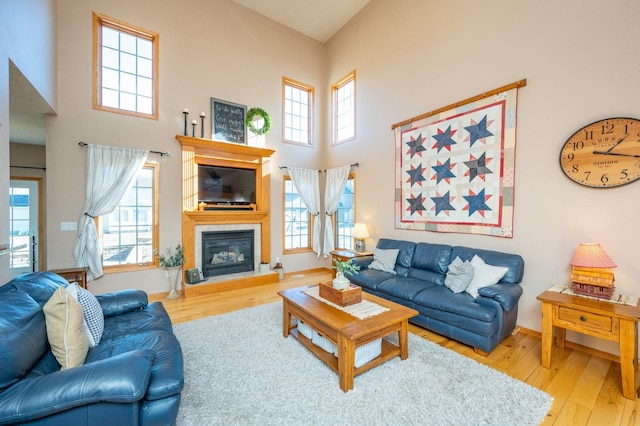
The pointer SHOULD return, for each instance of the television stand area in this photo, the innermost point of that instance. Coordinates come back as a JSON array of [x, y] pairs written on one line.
[[226, 206]]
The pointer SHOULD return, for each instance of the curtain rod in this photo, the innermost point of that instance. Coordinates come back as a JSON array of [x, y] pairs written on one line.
[[162, 153], [351, 165], [29, 167]]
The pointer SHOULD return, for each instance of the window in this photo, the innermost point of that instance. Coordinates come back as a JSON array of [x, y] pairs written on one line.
[[125, 61], [344, 216], [297, 220], [344, 108], [297, 111], [130, 233]]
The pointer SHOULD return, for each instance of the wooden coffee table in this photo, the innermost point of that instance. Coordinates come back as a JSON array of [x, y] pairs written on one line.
[[345, 331]]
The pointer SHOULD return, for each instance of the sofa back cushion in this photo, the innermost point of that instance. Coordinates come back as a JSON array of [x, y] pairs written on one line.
[[39, 285], [405, 253], [23, 336], [430, 262], [514, 262]]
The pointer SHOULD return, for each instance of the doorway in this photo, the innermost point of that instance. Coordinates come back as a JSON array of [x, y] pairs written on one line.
[[25, 225]]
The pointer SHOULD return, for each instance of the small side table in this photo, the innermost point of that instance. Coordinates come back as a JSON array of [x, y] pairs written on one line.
[[599, 318], [344, 255], [78, 275]]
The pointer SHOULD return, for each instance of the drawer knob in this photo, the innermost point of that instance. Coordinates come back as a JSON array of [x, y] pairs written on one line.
[[583, 318]]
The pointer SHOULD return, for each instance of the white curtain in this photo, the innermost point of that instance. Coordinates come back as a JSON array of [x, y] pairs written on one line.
[[307, 184], [110, 171], [336, 181]]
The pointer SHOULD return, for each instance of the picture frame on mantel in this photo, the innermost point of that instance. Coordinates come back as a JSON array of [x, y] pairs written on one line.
[[228, 121]]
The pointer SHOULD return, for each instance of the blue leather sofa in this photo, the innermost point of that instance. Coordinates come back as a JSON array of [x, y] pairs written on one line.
[[134, 376], [418, 283]]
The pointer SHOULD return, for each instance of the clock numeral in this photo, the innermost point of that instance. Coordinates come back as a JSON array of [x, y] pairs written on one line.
[[570, 156], [574, 168], [577, 146], [608, 128], [624, 174], [604, 178], [588, 134]]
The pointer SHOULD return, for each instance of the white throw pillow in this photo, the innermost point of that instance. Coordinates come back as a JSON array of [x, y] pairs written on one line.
[[92, 312], [459, 275], [484, 275], [384, 260]]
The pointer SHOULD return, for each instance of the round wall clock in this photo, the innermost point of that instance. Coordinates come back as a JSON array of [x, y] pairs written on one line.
[[603, 154]]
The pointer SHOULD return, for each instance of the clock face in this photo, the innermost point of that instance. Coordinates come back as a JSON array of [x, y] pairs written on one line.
[[603, 154]]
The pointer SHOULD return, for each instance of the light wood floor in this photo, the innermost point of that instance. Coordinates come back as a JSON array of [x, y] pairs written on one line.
[[586, 388]]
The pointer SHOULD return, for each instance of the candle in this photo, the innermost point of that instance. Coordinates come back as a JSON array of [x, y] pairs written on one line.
[[194, 122], [202, 114], [186, 113], [186, 110]]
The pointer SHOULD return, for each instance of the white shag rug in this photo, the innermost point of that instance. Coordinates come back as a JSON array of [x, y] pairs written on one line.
[[240, 370]]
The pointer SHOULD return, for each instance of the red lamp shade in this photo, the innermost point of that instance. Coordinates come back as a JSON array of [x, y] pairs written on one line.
[[591, 255]]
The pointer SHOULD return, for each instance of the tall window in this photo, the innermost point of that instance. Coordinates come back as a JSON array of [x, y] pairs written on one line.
[[297, 109], [125, 62], [297, 220], [343, 95], [344, 216], [130, 233]]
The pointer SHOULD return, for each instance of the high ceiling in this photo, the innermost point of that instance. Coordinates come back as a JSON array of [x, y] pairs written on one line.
[[318, 19]]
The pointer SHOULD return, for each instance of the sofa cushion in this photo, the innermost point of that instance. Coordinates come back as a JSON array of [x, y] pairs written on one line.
[[153, 317], [166, 371], [405, 253], [432, 257], [39, 285], [65, 329], [459, 275], [384, 260], [23, 336], [484, 275], [370, 278], [404, 288], [442, 299], [514, 262], [92, 312]]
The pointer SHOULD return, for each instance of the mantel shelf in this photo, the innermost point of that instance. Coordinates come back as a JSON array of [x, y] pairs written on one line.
[[215, 148]]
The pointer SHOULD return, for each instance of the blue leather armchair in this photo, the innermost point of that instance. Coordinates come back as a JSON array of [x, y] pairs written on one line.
[[134, 376]]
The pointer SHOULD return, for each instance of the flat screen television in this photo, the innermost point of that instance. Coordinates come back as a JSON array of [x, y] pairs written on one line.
[[217, 184]]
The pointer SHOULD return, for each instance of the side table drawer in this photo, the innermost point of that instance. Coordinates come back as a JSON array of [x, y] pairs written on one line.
[[585, 319]]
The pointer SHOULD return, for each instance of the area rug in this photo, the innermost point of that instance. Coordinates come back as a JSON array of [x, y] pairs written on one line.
[[240, 370]]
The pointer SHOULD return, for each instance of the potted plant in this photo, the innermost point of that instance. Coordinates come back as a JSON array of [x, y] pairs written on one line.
[[344, 268], [171, 261]]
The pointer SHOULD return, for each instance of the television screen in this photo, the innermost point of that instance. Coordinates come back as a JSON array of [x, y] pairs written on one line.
[[226, 184]]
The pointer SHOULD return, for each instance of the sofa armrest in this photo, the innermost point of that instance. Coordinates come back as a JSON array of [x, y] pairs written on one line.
[[123, 301], [507, 295], [120, 379], [362, 261]]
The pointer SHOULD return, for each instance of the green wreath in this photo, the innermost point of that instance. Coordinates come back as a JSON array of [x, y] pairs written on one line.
[[251, 115]]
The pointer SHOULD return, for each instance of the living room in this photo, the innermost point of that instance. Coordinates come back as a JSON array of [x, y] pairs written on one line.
[[411, 57]]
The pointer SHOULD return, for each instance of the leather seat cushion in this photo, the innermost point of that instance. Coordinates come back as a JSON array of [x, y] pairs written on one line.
[[442, 299]]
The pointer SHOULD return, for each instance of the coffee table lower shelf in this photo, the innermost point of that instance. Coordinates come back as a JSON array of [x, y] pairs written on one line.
[[389, 351]]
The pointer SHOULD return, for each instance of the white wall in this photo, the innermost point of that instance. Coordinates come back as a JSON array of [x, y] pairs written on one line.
[[27, 38], [208, 48], [579, 59]]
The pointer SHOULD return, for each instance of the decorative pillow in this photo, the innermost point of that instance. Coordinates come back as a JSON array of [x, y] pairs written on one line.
[[484, 275], [65, 329], [459, 275], [384, 260], [92, 312]]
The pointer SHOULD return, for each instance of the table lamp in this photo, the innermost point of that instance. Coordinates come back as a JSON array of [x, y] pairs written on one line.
[[360, 232], [591, 273]]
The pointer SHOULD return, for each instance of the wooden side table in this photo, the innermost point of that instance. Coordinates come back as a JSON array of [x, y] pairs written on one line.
[[599, 318], [344, 255], [78, 275]]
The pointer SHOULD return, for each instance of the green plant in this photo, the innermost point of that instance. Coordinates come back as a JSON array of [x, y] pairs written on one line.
[[171, 258], [347, 268], [251, 116]]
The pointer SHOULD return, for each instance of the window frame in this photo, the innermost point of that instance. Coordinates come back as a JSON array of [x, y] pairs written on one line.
[[154, 263], [286, 81], [334, 218], [335, 119], [305, 249], [100, 21]]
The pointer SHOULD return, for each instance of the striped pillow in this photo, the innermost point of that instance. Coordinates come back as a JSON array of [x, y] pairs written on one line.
[[92, 312]]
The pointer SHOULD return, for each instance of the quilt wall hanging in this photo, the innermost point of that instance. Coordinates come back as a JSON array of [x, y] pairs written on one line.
[[455, 166]]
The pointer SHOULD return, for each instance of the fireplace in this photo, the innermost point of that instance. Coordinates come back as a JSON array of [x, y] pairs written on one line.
[[227, 252]]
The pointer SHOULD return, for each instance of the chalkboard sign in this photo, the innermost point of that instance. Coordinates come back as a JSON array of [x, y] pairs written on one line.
[[227, 121]]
